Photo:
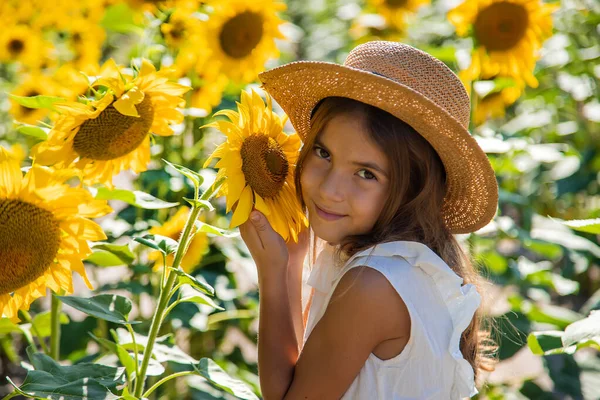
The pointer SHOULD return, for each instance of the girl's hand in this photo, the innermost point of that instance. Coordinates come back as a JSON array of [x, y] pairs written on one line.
[[267, 247], [298, 250]]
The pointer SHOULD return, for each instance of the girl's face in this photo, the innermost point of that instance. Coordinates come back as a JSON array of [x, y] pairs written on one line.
[[345, 180]]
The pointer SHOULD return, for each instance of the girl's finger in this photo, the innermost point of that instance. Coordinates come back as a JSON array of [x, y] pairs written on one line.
[[250, 236], [266, 233]]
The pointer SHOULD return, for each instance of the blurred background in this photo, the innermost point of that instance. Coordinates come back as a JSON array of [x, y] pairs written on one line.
[[531, 69]]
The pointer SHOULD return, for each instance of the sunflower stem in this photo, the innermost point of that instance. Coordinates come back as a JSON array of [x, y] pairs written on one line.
[[55, 327], [165, 291], [135, 351]]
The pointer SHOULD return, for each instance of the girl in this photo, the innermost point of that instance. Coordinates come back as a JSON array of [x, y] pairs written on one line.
[[388, 172]]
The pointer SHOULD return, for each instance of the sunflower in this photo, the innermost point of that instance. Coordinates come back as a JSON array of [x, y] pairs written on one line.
[[240, 36], [493, 104], [258, 161], [181, 26], [23, 44], [44, 229], [111, 134], [396, 11], [85, 42], [34, 85], [210, 93], [172, 228], [508, 35]]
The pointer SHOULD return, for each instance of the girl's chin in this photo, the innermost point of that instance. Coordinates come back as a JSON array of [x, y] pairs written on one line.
[[333, 238]]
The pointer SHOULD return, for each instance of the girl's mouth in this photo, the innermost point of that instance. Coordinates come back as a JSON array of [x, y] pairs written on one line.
[[327, 215]]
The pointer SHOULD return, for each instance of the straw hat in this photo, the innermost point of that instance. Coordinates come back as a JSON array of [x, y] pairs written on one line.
[[416, 88]]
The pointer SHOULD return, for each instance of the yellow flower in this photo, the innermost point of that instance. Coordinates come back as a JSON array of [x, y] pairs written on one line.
[[34, 85], [111, 134], [44, 229], [86, 41], [508, 35], [258, 161], [172, 228], [240, 36], [395, 11], [71, 83], [493, 104], [181, 26], [22, 44], [210, 93]]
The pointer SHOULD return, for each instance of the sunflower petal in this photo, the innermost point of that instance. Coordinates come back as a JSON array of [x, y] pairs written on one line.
[[243, 209], [261, 205], [10, 174]]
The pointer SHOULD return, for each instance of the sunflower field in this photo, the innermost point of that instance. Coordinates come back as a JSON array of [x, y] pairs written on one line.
[[129, 157]]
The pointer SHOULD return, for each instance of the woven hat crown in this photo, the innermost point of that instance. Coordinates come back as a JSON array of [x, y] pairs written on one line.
[[417, 70]]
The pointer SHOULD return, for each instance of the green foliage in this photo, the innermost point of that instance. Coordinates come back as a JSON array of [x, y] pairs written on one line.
[[50, 380], [109, 307], [135, 198], [37, 101]]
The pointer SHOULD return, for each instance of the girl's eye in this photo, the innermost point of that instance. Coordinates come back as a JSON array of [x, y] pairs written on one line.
[[321, 152], [366, 174]]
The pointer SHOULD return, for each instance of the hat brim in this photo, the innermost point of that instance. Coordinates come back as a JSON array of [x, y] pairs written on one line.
[[472, 191]]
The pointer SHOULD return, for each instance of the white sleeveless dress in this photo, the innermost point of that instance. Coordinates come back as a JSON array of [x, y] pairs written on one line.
[[431, 366]]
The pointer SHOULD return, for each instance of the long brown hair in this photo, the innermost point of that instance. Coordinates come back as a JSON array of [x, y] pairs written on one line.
[[412, 210]]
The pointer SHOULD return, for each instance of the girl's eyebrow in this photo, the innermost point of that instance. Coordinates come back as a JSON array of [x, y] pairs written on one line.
[[364, 164]]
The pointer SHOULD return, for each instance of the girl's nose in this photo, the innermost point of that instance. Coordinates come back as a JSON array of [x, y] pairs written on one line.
[[331, 187]]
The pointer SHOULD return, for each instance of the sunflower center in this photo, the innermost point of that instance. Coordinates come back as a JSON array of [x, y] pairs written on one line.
[[76, 37], [16, 46], [111, 134], [178, 31], [396, 3], [29, 241], [241, 34], [264, 165], [501, 26]]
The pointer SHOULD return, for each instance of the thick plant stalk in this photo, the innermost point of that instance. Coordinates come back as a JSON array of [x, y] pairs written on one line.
[[165, 291], [55, 327]]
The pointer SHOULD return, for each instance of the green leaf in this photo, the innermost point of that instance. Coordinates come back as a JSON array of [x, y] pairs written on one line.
[[184, 278], [126, 360], [7, 326], [164, 348], [37, 101], [109, 307], [126, 395], [103, 258], [543, 343], [546, 313], [121, 251], [41, 322], [193, 176], [212, 372], [51, 380], [584, 225], [587, 329], [210, 229], [136, 198], [567, 239], [189, 294], [164, 244], [34, 131], [205, 204], [121, 18]]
